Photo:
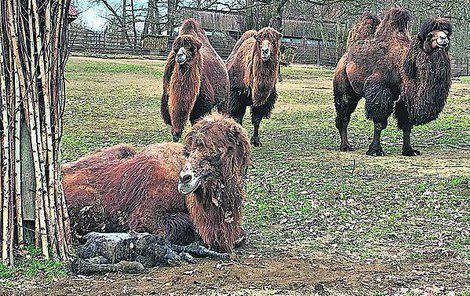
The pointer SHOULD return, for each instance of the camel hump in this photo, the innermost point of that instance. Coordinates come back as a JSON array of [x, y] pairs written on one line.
[[162, 149], [189, 25], [245, 36], [248, 34], [363, 28], [101, 156], [396, 15], [394, 20], [192, 27]]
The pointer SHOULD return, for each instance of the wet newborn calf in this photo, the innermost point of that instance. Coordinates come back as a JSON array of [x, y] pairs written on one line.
[[132, 252]]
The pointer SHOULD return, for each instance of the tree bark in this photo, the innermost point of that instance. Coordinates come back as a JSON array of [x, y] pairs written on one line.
[[172, 4], [32, 48]]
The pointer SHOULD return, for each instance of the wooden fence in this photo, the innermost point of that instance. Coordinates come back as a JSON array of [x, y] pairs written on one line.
[[88, 42], [460, 66], [307, 51]]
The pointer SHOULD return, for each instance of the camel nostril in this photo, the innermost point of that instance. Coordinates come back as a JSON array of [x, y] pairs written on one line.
[[186, 178]]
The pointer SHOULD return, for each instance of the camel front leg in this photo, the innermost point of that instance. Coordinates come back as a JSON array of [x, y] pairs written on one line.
[[403, 123], [375, 148], [260, 112], [379, 107], [407, 150], [256, 120]]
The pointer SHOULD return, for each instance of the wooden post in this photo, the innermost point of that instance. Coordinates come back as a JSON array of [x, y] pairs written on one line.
[[319, 53]]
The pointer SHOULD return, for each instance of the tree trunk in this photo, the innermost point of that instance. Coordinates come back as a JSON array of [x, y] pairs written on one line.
[[151, 19], [249, 16], [33, 54], [171, 17], [134, 28], [124, 22]]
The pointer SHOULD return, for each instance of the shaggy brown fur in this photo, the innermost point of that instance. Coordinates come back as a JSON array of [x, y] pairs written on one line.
[[253, 78], [139, 191], [364, 28], [193, 88], [377, 70], [245, 36], [222, 195]]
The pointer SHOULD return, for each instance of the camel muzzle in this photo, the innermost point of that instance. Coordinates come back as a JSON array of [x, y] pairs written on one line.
[[181, 56], [188, 181], [265, 54], [442, 40]]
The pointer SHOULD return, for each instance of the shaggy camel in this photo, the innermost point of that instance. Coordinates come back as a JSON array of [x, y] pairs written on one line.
[[195, 79], [253, 68], [118, 189], [396, 74]]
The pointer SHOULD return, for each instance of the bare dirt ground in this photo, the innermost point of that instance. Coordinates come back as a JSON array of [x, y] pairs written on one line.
[[274, 273]]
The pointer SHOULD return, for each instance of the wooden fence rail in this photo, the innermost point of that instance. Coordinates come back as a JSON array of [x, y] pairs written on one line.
[[307, 51]]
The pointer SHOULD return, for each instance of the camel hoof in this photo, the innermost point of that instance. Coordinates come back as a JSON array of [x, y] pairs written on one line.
[[345, 148], [410, 152], [375, 151], [255, 142]]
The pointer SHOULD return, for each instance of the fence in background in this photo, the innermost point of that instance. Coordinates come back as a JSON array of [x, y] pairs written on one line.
[[460, 66], [93, 43], [307, 51]]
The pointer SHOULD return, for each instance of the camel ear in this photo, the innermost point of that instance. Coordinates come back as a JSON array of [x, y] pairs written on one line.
[[197, 44]]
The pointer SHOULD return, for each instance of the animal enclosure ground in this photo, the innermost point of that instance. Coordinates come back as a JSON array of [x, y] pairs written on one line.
[[319, 221]]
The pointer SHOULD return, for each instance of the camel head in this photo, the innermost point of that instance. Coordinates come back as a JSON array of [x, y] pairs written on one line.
[[217, 150], [268, 41], [185, 48], [434, 34]]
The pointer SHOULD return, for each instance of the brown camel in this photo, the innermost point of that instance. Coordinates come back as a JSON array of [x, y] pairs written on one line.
[[195, 79], [118, 189], [395, 74], [253, 68]]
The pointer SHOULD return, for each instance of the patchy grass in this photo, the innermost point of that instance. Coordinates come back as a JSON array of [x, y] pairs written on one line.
[[29, 265], [302, 192]]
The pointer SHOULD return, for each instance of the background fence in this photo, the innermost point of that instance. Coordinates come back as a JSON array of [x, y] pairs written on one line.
[[306, 51]]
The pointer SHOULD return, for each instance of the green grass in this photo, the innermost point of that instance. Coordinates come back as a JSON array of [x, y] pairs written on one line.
[[30, 265], [95, 66], [301, 190]]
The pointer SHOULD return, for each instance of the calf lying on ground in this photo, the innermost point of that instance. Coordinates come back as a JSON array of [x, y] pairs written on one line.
[[132, 252]]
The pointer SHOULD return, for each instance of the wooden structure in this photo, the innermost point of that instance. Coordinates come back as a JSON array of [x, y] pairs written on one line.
[[320, 43]]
